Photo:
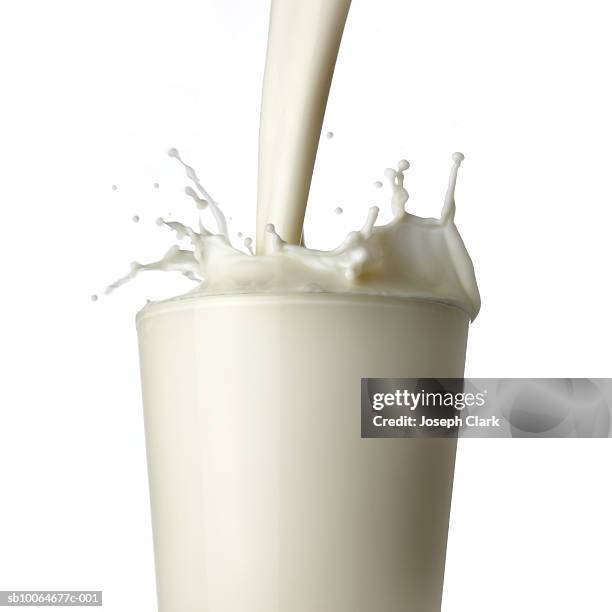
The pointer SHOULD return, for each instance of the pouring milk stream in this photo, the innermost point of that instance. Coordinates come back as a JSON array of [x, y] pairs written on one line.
[[303, 43]]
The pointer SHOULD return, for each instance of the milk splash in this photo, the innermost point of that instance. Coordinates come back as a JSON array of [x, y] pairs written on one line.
[[411, 257]]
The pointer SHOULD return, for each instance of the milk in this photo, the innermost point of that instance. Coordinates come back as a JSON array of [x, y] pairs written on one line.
[[412, 257], [303, 43], [264, 496]]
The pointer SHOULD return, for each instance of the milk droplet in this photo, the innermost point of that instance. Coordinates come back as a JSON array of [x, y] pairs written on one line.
[[135, 218], [403, 165], [94, 298], [159, 221], [338, 210], [239, 234], [329, 135], [114, 187], [378, 185], [155, 185]]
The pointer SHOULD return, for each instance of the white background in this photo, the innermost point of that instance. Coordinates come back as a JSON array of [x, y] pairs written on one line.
[[93, 94]]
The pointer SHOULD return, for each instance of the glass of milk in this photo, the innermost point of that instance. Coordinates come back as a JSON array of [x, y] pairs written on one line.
[[264, 496]]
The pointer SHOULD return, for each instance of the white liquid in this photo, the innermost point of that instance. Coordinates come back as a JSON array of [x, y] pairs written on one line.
[[303, 43], [264, 496], [409, 257]]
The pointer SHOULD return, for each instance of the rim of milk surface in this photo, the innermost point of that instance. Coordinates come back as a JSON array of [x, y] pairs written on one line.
[[195, 301]]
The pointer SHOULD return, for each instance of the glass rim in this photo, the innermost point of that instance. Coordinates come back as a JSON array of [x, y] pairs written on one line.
[[199, 300]]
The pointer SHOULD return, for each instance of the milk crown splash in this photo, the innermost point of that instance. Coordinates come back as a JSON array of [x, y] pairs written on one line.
[[410, 257]]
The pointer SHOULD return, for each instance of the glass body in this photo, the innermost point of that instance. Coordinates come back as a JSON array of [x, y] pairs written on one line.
[[264, 496]]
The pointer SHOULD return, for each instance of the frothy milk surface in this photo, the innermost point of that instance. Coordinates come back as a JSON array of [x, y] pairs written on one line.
[[411, 257]]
